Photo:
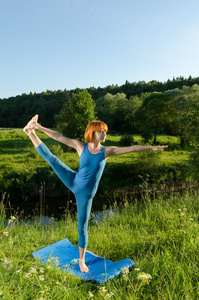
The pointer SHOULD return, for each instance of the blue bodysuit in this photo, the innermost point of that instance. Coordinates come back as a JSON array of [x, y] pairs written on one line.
[[83, 183]]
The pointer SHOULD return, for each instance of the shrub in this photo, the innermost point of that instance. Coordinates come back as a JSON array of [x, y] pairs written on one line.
[[127, 140]]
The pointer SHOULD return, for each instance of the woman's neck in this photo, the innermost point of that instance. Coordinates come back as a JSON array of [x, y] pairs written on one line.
[[94, 147]]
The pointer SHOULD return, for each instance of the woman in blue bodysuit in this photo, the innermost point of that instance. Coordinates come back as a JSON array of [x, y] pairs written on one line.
[[92, 160]]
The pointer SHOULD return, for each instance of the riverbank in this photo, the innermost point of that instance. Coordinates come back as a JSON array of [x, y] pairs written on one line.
[[60, 205], [160, 235]]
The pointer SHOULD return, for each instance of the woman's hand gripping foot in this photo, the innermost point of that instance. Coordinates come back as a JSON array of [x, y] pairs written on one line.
[[28, 129]]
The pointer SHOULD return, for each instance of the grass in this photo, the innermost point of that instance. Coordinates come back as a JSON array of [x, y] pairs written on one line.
[[160, 234], [22, 170]]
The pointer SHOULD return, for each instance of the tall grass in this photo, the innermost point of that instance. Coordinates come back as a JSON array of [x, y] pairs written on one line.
[[160, 234]]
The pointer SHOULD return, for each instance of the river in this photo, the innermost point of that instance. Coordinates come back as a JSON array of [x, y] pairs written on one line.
[[60, 206]]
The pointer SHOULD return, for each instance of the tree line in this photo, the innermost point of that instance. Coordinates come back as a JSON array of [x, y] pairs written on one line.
[[146, 108]]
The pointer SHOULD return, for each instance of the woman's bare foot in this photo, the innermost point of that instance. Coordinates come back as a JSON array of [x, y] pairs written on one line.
[[83, 266], [27, 129]]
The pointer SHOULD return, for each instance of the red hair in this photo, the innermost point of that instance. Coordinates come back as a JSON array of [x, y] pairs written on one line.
[[92, 127]]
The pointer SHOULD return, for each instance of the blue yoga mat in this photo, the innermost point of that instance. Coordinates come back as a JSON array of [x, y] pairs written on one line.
[[65, 256]]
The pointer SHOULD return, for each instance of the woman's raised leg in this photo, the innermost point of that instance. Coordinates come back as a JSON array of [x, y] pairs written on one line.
[[65, 174]]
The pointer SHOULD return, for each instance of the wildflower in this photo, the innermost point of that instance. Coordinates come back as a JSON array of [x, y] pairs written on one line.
[[11, 220], [107, 296], [144, 275], [125, 277], [28, 275], [41, 270], [1, 293], [41, 277], [7, 264], [18, 271], [125, 271], [137, 269], [33, 270], [190, 219], [75, 261], [146, 278], [5, 233], [90, 295], [57, 282], [103, 290]]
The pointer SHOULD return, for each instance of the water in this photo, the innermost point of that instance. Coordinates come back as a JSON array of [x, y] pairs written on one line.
[[53, 206], [60, 206]]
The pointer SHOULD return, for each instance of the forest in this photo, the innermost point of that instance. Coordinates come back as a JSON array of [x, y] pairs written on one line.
[[147, 108]]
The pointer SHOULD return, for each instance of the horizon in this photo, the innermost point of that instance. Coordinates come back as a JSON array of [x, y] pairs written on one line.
[[115, 85]]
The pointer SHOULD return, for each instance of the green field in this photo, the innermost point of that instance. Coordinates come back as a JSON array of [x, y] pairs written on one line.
[[160, 235], [22, 170]]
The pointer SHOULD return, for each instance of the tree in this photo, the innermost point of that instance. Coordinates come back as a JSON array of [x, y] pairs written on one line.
[[183, 120], [154, 114], [188, 108], [75, 114], [133, 104], [111, 109], [190, 122], [175, 111]]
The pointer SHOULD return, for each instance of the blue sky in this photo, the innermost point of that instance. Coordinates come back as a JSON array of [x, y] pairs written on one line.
[[65, 44]]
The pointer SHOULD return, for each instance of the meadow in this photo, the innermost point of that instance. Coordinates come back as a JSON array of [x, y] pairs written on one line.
[[159, 233], [22, 170], [158, 230]]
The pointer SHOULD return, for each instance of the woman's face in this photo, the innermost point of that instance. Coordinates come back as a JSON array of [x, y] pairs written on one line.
[[100, 136]]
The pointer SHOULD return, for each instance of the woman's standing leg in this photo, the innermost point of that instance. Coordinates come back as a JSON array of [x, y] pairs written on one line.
[[83, 267], [84, 203]]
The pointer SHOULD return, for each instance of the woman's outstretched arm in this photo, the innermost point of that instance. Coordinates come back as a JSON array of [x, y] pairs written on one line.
[[77, 145], [112, 151]]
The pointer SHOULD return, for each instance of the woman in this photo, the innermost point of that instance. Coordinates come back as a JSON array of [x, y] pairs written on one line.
[[92, 160]]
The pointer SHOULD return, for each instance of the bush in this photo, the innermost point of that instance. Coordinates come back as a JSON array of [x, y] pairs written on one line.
[[146, 136], [194, 163], [127, 140]]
